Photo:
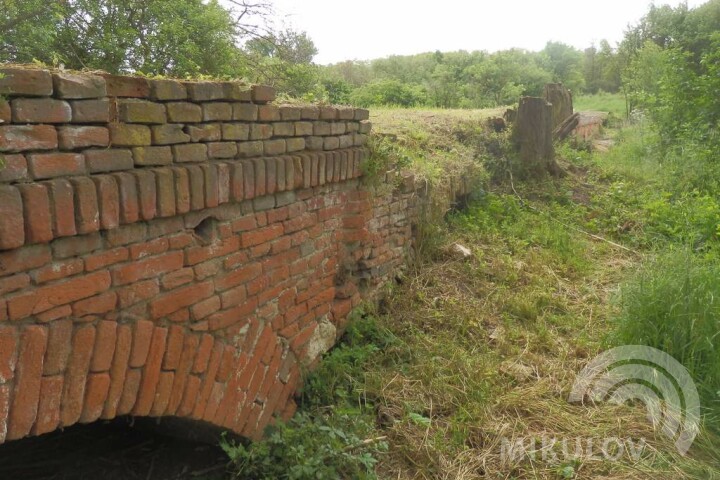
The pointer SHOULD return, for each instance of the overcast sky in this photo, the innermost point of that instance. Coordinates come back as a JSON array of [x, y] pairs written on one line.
[[366, 29]]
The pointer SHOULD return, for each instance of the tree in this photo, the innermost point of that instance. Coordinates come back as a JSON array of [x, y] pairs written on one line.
[[565, 64]]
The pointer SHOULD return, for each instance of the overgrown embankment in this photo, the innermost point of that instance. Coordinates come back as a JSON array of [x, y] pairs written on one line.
[[470, 354]]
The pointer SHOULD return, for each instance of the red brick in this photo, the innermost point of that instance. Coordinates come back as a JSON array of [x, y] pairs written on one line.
[[109, 201], [62, 204], [54, 314], [205, 308], [40, 110], [106, 258], [68, 85], [26, 396], [76, 375], [71, 138], [189, 397], [180, 298], [91, 111], [45, 298], [12, 227], [58, 349], [262, 235], [147, 191], [8, 353], [137, 292], [96, 392], [197, 255], [209, 380], [128, 191], [174, 349], [87, 213], [233, 316], [48, 415], [99, 304], [18, 138], [118, 370], [15, 168], [14, 283], [121, 86], [151, 372], [238, 276], [57, 270], [189, 348], [248, 171], [130, 392], [108, 160], [21, 81], [151, 267], [142, 336], [203, 354], [51, 165], [165, 192], [162, 394]]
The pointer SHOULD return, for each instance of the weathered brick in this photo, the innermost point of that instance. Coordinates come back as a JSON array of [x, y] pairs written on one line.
[[151, 373], [314, 143], [237, 91], [13, 284], [167, 90], [222, 150], [108, 160], [12, 227], [5, 111], [295, 144], [337, 128], [165, 192], [23, 259], [127, 135], [169, 134], [68, 85], [184, 112], [303, 129], [365, 127], [182, 190], [58, 269], [250, 149], [237, 190], [275, 147], [283, 129], [17, 138], [40, 110], [263, 94], [152, 156], [268, 113], [212, 193], [70, 138], [331, 143], [217, 112], [87, 212], [141, 111], [190, 152], [68, 291], [147, 193], [15, 168], [361, 114], [90, 111], [108, 201], [128, 191], [197, 188], [96, 392], [75, 377], [30, 82], [23, 412], [235, 131], [261, 131], [224, 178], [246, 112], [48, 415], [321, 129], [205, 91], [118, 370], [209, 132], [121, 86], [106, 258], [148, 268], [76, 246], [51, 165], [310, 112]]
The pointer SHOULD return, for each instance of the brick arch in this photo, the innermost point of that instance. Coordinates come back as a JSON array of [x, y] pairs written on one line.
[[112, 303]]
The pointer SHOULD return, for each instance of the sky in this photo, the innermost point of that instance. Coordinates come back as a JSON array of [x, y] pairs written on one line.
[[367, 29]]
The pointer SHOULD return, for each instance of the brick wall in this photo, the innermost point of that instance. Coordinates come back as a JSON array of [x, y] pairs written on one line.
[[177, 248]]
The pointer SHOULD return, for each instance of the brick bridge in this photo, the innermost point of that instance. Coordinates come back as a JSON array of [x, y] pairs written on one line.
[[177, 249]]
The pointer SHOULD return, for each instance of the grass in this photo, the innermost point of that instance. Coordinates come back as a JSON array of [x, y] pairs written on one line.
[[613, 103], [471, 355]]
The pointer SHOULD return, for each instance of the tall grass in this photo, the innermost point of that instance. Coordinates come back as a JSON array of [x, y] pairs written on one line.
[[673, 304]]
